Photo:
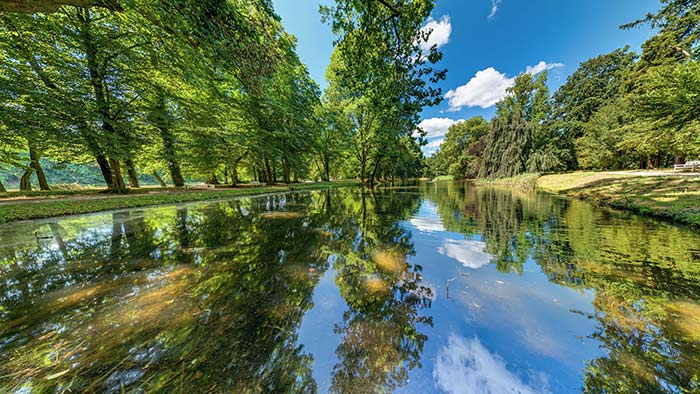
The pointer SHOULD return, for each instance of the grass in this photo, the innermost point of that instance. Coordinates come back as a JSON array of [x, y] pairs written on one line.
[[88, 201], [444, 178], [670, 197], [524, 181]]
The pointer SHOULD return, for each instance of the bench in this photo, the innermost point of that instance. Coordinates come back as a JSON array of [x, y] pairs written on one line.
[[689, 166]]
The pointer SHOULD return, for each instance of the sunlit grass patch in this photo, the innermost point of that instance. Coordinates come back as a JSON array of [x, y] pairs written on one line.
[[671, 197]]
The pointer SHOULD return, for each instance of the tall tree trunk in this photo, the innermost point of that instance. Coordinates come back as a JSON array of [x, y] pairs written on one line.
[[2, 188], [274, 171], [234, 174], [363, 170], [104, 168], [657, 160], [158, 179], [102, 104], [212, 179], [268, 171], [25, 182], [326, 167], [162, 120], [225, 175], [131, 172], [34, 156], [118, 185], [285, 171]]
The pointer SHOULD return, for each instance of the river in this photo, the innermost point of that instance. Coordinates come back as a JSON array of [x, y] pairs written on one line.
[[429, 288]]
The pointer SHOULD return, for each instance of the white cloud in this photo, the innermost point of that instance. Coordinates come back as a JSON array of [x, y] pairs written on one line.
[[436, 127], [433, 146], [542, 66], [484, 90], [441, 31], [495, 4], [466, 366], [469, 253], [427, 220], [488, 87]]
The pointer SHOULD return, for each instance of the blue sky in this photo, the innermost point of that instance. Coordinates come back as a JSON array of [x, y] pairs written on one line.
[[488, 42]]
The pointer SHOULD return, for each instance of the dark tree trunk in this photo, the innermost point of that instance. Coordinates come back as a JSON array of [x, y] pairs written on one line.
[[679, 159], [363, 170], [212, 179], [97, 82], [34, 156], [657, 160], [274, 171], [2, 188], [131, 172], [25, 182], [285, 171], [326, 168], [118, 185], [225, 175], [158, 179], [162, 120], [268, 171], [234, 175], [106, 171]]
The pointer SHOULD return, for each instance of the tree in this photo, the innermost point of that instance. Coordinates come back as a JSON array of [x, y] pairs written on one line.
[[667, 109], [461, 150], [596, 82], [380, 73], [521, 140]]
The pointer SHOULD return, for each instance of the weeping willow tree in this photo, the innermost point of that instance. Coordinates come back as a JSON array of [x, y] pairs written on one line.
[[523, 138]]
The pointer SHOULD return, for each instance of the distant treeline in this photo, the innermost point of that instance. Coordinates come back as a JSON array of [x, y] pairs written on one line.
[[619, 110]]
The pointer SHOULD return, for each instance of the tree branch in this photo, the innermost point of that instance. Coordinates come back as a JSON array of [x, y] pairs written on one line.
[[32, 6], [390, 7]]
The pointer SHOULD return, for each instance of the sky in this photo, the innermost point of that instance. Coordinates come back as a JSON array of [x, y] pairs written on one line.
[[486, 43]]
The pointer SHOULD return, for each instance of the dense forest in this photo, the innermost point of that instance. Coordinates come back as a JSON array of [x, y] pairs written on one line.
[[121, 93]]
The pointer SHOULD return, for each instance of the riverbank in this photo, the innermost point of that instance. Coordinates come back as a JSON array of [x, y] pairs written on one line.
[[37, 206], [671, 197]]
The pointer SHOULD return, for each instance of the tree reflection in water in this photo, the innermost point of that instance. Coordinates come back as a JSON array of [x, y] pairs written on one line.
[[199, 298], [210, 297], [645, 274]]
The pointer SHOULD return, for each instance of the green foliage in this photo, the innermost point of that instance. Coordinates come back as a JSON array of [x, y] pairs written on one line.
[[521, 139], [459, 154], [152, 89], [382, 78]]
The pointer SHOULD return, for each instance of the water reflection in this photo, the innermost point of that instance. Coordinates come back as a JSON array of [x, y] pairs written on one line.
[[430, 288], [645, 276]]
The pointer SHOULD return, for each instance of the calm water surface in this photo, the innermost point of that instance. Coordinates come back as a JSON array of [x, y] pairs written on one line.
[[435, 288]]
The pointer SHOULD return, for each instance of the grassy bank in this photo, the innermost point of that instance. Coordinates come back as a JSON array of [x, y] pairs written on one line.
[[91, 201], [523, 182], [670, 197]]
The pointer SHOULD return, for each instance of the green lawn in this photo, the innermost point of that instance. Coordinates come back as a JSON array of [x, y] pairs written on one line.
[[524, 181], [92, 201], [671, 197]]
